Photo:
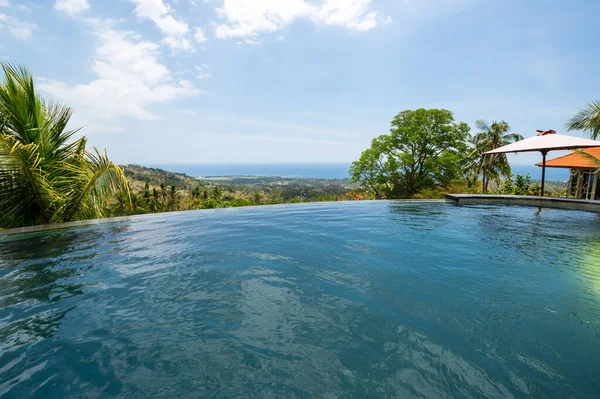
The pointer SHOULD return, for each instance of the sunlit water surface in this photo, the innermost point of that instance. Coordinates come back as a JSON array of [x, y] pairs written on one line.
[[376, 299]]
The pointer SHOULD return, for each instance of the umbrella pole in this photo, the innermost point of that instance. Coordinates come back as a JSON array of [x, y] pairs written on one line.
[[544, 153]]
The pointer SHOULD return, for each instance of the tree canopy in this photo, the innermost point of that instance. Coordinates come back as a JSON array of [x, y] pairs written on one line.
[[425, 148]]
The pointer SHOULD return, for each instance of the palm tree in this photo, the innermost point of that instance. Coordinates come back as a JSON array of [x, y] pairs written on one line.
[[154, 203], [588, 120], [163, 194], [47, 176], [173, 199], [472, 163], [490, 137]]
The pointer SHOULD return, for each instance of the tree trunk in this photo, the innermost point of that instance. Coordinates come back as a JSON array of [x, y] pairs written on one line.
[[484, 184]]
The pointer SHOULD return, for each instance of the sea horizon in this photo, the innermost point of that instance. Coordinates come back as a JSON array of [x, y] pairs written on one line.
[[314, 170], [287, 170]]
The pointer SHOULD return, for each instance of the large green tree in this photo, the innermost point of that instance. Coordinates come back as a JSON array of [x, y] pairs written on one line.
[[588, 120], [423, 149], [490, 137], [46, 175]]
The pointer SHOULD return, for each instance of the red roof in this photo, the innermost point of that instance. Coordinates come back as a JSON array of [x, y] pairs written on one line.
[[575, 160]]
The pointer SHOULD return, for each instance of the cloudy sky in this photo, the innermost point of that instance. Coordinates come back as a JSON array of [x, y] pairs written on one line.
[[235, 81]]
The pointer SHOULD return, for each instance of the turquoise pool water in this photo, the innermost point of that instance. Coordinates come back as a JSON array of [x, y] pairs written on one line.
[[339, 300]]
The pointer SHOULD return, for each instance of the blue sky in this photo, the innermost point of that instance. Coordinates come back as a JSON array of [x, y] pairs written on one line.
[[261, 81]]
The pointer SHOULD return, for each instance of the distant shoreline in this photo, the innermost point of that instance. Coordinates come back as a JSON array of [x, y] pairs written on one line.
[[328, 171], [337, 171], [253, 177]]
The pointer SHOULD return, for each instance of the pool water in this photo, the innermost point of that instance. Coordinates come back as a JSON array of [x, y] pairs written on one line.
[[334, 300]]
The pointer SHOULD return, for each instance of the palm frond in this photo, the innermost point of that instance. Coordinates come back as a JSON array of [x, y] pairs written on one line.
[[587, 120], [588, 157], [88, 184], [512, 138], [500, 127], [46, 175], [489, 137], [26, 195], [19, 105], [482, 125]]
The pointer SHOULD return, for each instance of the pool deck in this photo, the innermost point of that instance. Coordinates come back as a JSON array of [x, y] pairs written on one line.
[[521, 200]]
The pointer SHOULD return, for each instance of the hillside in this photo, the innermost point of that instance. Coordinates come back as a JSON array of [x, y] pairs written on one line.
[[155, 177], [157, 190]]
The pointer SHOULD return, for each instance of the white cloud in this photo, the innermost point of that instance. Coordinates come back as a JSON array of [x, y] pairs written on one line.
[[249, 40], [16, 28], [179, 43], [199, 36], [129, 80], [175, 31], [4, 3], [72, 7], [202, 71], [351, 14], [251, 17]]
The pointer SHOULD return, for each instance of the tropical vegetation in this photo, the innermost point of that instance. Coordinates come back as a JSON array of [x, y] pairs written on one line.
[[520, 185], [47, 175], [587, 120], [427, 152], [154, 190], [492, 167], [423, 150]]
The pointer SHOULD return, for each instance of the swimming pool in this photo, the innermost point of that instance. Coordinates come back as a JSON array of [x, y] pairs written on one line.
[[354, 299]]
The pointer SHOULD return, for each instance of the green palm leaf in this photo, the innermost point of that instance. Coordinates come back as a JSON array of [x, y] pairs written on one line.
[[46, 175], [88, 183], [587, 120], [26, 195]]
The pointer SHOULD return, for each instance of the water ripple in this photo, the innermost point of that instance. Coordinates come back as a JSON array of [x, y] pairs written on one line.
[[376, 299]]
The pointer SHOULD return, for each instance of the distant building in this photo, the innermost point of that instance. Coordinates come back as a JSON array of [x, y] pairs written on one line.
[[583, 180]]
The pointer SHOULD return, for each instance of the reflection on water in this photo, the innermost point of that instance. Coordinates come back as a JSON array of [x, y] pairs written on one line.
[[377, 299], [589, 273]]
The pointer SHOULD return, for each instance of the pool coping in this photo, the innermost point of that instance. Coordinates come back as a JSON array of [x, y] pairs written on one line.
[[523, 200], [91, 222]]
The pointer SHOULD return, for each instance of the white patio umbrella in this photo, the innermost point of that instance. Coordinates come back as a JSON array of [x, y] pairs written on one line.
[[545, 141]]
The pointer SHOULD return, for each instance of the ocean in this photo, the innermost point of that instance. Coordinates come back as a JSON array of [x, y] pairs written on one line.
[[303, 170], [314, 170]]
